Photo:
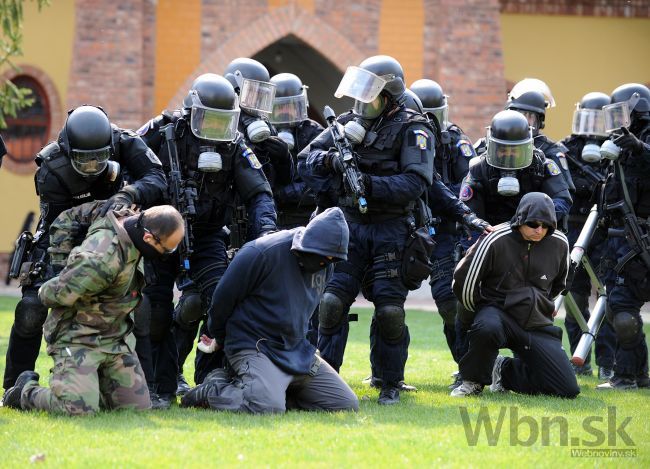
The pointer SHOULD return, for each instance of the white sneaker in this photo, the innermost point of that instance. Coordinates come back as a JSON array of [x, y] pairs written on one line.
[[496, 385], [467, 388]]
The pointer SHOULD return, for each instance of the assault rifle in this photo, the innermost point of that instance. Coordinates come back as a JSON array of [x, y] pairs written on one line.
[[182, 194], [351, 176]]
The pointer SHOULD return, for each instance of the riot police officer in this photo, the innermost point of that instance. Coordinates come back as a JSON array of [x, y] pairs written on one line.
[[215, 162], [629, 114], [533, 104], [295, 202], [395, 150], [589, 171], [452, 164], [84, 164]]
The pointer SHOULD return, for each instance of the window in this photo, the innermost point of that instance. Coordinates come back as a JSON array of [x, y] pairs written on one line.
[[28, 132]]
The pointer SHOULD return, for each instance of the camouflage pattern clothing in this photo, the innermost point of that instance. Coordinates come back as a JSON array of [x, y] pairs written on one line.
[[89, 329]]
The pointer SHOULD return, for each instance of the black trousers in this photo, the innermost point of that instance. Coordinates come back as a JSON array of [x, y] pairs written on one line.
[[541, 366]]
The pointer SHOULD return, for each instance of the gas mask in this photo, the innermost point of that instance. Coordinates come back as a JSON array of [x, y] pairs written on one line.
[[508, 184], [209, 160], [591, 152], [609, 150], [355, 130], [287, 137], [112, 171], [258, 131]]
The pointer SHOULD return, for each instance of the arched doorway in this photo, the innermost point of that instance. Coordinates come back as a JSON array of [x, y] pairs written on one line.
[[292, 55]]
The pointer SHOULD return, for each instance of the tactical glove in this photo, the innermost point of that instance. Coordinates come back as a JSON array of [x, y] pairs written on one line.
[[333, 162], [122, 199], [627, 141], [277, 149]]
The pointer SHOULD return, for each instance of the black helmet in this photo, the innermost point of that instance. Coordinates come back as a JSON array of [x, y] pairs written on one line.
[[214, 108], [529, 101], [290, 102], [626, 91], [434, 100], [593, 100], [213, 91], [386, 66], [509, 141], [412, 101], [249, 68], [87, 137]]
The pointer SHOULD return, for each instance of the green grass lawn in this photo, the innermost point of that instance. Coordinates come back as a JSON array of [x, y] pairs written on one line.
[[426, 429]]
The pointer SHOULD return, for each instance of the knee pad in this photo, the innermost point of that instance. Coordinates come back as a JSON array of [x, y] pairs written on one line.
[[30, 315], [627, 328], [189, 310], [331, 313], [390, 321], [447, 311], [161, 321], [142, 318]]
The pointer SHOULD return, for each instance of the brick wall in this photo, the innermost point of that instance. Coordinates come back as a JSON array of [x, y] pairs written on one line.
[[624, 8]]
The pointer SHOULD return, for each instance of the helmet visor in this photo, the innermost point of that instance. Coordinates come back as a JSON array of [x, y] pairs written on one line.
[[441, 113], [360, 85], [257, 96], [505, 154], [214, 124], [617, 115], [90, 162], [290, 109], [588, 122]]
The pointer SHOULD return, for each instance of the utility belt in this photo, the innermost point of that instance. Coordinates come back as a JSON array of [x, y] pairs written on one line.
[[351, 211]]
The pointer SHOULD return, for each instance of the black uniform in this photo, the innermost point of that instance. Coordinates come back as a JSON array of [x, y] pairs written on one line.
[[60, 187], [241, 175]]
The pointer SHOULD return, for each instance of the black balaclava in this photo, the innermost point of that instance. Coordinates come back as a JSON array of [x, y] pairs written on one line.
[[135, 230], [311, 262]]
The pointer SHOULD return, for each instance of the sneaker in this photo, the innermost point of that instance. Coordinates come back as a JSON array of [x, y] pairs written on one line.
[[467, 388], [161, 401], [12, 395], [496, 385], [181, 385], [605, 373], [458, 380], [198, 396], [584, 370], [618, 383], [389, 395]]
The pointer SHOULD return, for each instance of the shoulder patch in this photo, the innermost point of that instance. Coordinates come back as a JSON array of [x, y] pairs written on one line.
[[145, 128], [466, 148], [252, 158], [466, 192], [419, 138], [153, 157], [551, 168]]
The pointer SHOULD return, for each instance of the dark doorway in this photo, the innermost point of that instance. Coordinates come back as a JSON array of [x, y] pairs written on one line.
[[291, 55]]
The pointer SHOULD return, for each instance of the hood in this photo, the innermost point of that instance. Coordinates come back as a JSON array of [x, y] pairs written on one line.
[[326, 234], [535, 206]]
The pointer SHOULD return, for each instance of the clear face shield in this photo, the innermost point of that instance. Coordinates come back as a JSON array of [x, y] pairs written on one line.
[[509, 155], [289, 110], [589, 122], [90, 162], [256, 97], [441, 113], [360, 85], [218, 125], [617, 115]]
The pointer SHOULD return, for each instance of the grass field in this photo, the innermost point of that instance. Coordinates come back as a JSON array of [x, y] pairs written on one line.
[[426, 429]]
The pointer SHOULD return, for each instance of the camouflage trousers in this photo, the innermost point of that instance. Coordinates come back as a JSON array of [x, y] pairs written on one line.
[[85, 379]]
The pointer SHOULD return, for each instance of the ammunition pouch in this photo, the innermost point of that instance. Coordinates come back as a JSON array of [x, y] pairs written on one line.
[[416, 264]]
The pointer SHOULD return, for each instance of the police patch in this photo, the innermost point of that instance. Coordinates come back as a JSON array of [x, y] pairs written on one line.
[[421, 139], [562, 159], [552, 168], [252, 158], [466, 148], [153, 157], [466, 193]]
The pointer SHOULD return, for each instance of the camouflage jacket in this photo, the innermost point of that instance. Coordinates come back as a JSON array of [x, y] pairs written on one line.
[[93, 296]]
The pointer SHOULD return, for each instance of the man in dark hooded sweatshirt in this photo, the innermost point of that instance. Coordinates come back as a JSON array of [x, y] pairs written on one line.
[[260, 315], [508, 281]]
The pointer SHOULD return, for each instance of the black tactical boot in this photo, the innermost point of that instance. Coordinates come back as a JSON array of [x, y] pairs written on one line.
[[389, 395], [181, 385], [12, 395]]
